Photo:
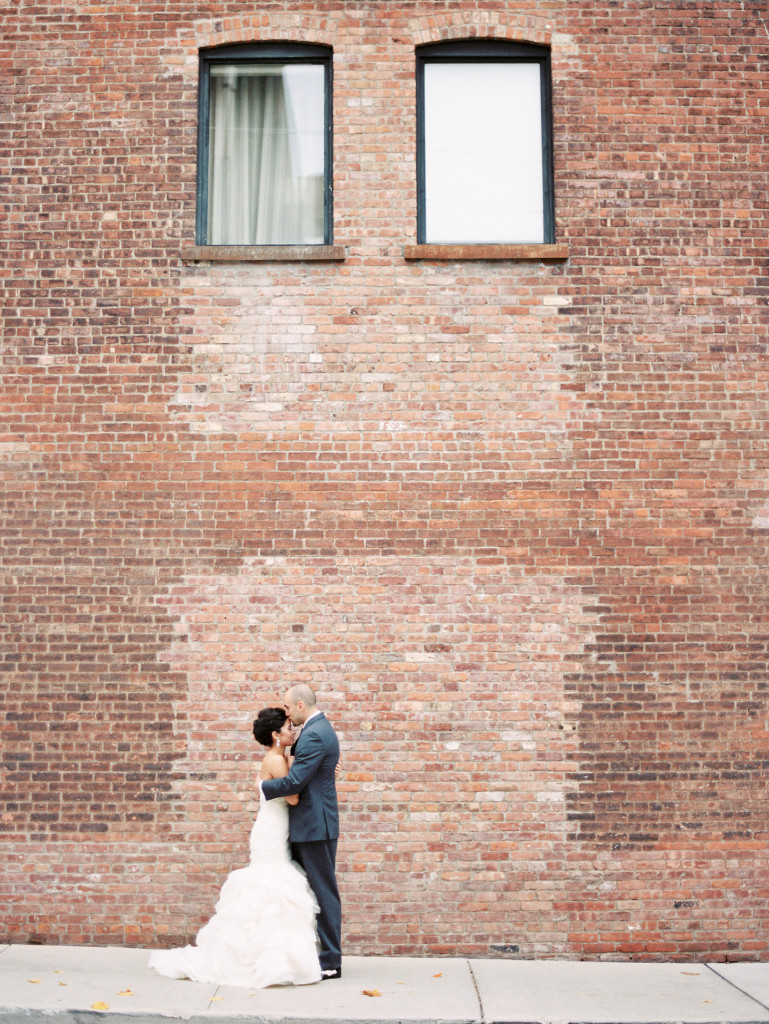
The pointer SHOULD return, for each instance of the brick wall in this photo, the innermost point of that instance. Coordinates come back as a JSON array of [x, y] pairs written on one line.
[[509, 517]]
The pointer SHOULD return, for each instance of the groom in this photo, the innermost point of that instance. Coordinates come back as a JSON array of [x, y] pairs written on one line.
[[314, 821]]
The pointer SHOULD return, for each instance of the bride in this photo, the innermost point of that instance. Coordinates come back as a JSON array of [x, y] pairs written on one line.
[[263, 929]]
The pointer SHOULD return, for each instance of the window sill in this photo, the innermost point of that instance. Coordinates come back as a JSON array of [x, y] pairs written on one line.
[[261, 253], [538, 251]]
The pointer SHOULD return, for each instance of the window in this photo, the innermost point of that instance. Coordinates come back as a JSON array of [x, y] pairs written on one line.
[[484, 143], [264, 145]]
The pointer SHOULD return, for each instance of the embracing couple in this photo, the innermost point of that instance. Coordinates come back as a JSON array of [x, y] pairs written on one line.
[[270, 926]]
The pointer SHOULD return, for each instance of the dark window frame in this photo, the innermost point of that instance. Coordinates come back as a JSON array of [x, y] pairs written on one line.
[[473, 51], [267, 53]]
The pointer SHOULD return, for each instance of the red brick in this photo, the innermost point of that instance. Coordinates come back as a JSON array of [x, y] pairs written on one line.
[[509, 516]]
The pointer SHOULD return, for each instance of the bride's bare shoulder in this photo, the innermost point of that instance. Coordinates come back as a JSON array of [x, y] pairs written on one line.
[[273, 766]]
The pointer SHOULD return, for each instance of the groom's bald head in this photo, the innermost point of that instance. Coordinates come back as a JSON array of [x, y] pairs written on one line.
[[300, 702]]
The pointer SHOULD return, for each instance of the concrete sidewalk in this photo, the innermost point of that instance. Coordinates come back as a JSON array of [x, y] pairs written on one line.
[[75, 984]]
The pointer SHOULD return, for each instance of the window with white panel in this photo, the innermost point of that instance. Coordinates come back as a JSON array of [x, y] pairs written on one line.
[[485, 148]]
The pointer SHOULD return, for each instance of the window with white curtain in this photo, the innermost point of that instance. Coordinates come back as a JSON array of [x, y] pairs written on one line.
[[264, 146], [484, 143]]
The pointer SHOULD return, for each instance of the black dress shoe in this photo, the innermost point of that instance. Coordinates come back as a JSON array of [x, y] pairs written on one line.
[[333, 972]]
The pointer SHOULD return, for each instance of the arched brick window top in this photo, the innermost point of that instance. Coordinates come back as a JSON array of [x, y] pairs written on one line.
[[258, 28], [498, 25]]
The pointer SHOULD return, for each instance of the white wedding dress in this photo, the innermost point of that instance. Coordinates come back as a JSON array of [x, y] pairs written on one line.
[[263, 929]]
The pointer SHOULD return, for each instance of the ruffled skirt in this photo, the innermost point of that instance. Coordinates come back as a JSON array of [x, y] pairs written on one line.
[[262, 933]]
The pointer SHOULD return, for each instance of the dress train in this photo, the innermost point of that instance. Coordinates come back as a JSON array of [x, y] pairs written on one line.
[[263, 929]]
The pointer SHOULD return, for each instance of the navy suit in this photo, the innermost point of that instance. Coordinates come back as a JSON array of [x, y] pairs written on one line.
[[314, 826]]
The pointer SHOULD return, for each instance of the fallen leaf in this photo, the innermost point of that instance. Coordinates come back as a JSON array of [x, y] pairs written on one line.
[[63, 984], [125, 992], [438, 975], [371, 992], [58, 972], [216, 999], [99, 1006], [692, 974], [34, 981]]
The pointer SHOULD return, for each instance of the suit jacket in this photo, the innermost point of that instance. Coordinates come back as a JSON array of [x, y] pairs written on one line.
[[316, 753]]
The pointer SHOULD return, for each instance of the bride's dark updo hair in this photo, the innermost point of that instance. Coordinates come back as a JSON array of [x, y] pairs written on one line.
[[268, 721]]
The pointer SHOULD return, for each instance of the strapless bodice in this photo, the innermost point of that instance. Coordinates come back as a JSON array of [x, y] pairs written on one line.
[[269, 835]]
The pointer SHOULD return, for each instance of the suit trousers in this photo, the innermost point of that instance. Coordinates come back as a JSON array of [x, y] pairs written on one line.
[[318, 860]]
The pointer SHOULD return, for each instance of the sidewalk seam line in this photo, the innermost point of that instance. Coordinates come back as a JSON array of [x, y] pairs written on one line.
[[728, 981], [213, 996], [477, 992]]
